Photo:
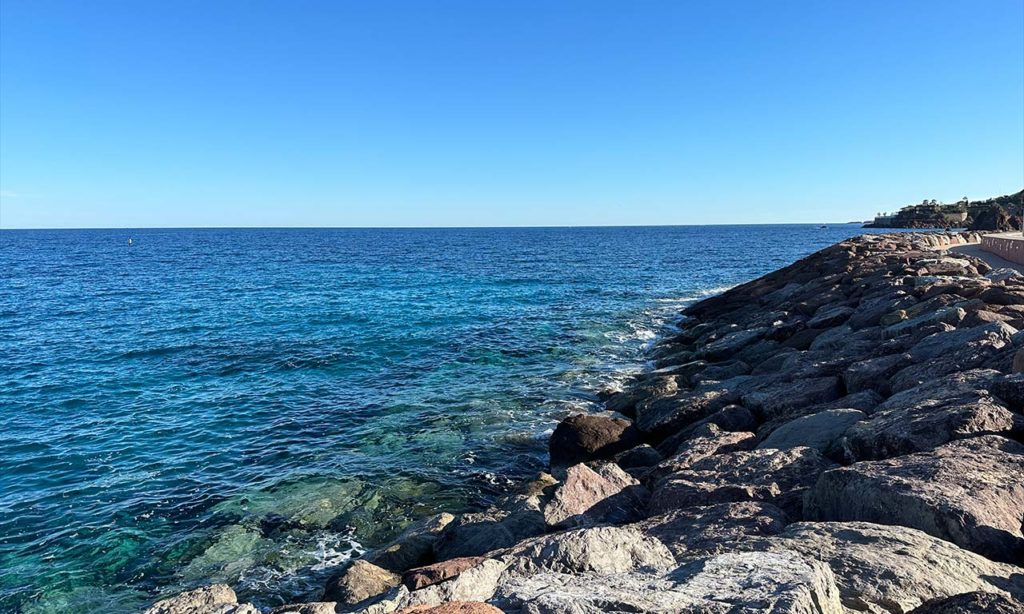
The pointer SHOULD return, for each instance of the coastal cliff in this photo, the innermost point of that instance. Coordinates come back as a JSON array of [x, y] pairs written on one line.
[[998, 213], [841, 435]]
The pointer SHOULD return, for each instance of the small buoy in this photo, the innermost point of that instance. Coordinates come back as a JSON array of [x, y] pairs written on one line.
[[130, 240]]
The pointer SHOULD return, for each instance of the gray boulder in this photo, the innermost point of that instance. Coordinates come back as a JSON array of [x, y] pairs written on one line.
[[891, 569], [777, 582], [712, 529], [477, 533], [705, 441], [874, 373], [925, 417], [775, 476], [820, 431], [785, 398], [213, 599], [968, 492], [599, 550]]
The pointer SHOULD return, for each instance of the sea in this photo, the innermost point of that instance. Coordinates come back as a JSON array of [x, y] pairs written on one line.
[[258, 406]]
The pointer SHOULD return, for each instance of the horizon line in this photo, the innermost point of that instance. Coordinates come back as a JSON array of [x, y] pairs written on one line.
[[524, 226]]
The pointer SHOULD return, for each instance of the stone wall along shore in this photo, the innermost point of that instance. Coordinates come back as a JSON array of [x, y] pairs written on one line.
[[842, 435]]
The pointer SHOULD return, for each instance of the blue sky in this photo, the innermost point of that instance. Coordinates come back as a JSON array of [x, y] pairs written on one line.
[[479, 113]]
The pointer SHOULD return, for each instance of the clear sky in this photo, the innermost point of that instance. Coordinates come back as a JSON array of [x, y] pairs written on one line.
[[480, 113]]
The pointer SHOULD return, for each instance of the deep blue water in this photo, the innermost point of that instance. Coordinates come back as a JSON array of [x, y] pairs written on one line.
[[254, 406]]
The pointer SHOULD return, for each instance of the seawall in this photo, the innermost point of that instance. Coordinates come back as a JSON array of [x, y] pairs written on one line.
[[841, 435]]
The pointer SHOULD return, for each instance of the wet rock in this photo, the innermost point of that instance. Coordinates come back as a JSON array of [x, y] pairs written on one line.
[[359, 582], [598, 550], [925, 417], [968, 492], [820, 431], [583, 438], [605, 494], [730, 344], [213, 599], [972, 603], [712, 529], [705, 441], [413, 547], [775, 476], [891, 569], [783, 398], [719, 372], [782, 583]]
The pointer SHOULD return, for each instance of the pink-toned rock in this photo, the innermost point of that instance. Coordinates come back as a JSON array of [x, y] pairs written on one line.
[[452, 607], [421, 577]]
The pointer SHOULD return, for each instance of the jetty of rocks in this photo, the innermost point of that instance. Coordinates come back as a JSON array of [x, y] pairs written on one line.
[[843, 435]]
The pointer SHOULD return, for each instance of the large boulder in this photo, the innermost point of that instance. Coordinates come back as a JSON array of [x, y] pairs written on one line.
[[874, 373], [213, 599], [777, 582], [820, 431], [775, 476], [359, 582], [452, 607], [606, 494], [662, 417], [928, 416], [712, 529], [968, 492], [786, 397], [891, 569], [583, 437], [705, 441], [598, 550]]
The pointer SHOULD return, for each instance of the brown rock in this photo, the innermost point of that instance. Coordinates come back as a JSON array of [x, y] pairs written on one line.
[[421, 577], [582, 438]]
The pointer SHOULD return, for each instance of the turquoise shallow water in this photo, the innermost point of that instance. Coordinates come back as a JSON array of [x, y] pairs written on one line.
[[255, 406]]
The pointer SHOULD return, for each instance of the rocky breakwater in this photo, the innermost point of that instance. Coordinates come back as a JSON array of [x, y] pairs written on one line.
[[842, 435]]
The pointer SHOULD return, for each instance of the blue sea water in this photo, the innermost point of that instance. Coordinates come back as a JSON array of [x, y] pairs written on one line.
[[255, 406]]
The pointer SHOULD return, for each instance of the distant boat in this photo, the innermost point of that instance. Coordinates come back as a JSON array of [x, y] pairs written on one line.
[[823, 226], [131, 241]]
